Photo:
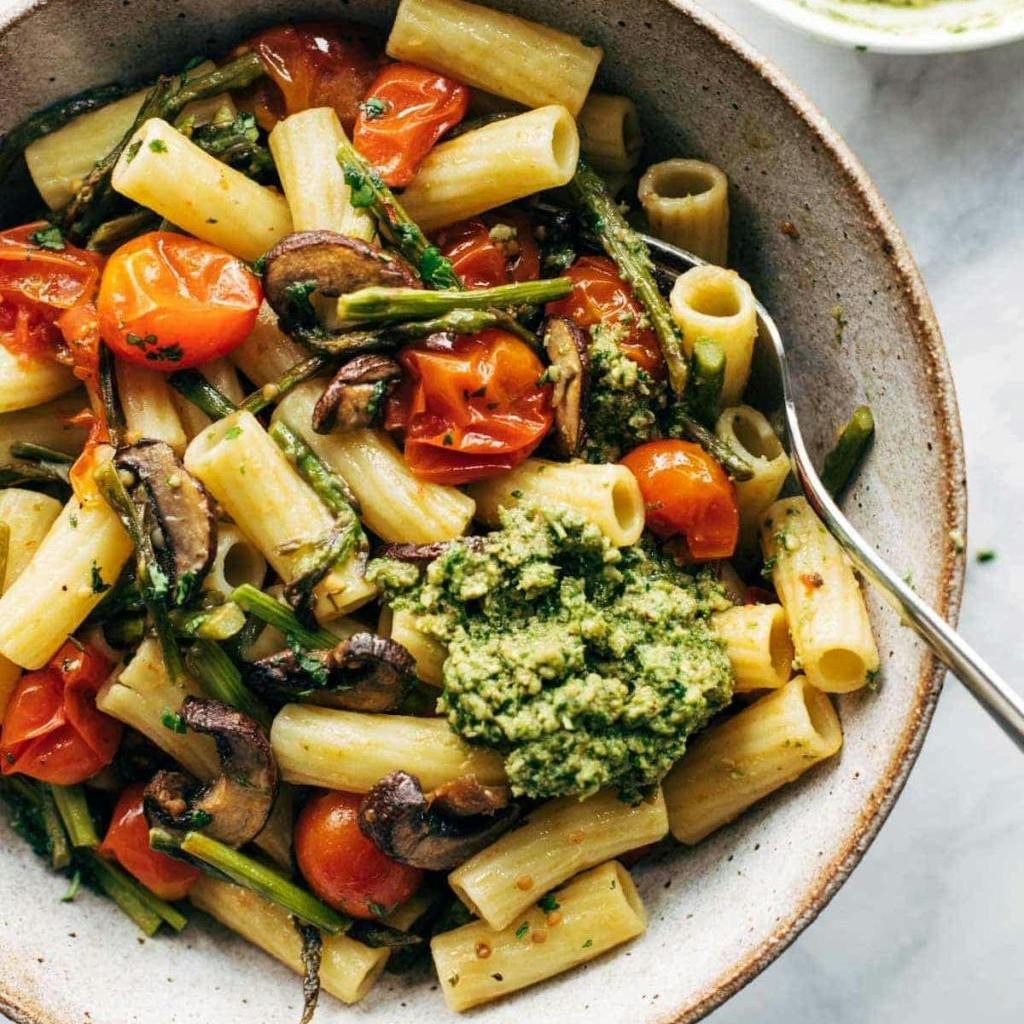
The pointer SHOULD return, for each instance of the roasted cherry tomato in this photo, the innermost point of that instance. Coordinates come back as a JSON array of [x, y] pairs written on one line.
[[471, 407], [312, 64], [599, 295], [496, 248], [169, 302], [687, 493], [37, 284], [406, 110], [127, 842], [342, 866], [52, 730]]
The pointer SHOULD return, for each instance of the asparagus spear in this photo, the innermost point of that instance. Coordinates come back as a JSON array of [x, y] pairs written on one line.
[[74, 812], [48, 120], [274, 613], [684, 425], [40, 453], [234, 141], [93, 201], [152, 582], [601, 215], [223, 862], [707, 373], [222, 680], [146, 909], [373, 305], [851, 446], [395, 224], [291, 378], [112, 411], [201, 393], [112, 233], [330, 488]]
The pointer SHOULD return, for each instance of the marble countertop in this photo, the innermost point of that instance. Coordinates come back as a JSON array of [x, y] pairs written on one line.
[[930, 927]]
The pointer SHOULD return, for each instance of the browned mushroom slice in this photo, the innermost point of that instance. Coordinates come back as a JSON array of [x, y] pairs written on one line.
[[403, 824], [421, 554], [566, 346], [233, 808], [363, 673], [355, 397], [465, 796], [310, 264], [177, 510]]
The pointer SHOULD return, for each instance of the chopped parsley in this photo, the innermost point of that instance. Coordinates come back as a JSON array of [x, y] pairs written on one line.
[[98, 586], [522, 929], [172, 720], [587, 944], [985, 555], [374, 107], [157, 146], [361, 187], [49, 237], [231, 434], [548, 903], [133, 151], [435, 269], [151, 348]]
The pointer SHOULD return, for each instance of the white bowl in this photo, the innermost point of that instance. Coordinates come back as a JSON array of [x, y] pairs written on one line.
[[935, 26]]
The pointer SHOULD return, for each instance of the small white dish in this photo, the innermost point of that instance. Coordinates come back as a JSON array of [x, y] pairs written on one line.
[[931, 26]]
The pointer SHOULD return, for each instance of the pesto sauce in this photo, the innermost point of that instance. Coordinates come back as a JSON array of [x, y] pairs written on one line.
[[585, 665]]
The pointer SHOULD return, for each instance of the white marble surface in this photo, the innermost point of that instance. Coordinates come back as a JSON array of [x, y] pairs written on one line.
[[930, 928]]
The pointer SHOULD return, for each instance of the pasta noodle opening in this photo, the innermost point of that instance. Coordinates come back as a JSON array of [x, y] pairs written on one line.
[[628, 514], [780, 648], [565, 144], [625, 882], [243, 564], [714, 297], [676, 181], [759, 442], [821, 716], [844, 668]]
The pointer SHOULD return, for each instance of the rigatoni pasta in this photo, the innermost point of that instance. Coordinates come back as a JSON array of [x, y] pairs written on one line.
[[499, 53], [26, 381], [28, 516], [149, 407], [823, 601], [757, 641], [735, 764], [610, 137]]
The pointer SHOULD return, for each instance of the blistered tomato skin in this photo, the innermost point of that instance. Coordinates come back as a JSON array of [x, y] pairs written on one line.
[[342, 866], [169, 302]]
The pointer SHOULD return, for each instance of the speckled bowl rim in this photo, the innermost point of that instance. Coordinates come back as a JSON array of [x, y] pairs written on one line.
[[951, 576]]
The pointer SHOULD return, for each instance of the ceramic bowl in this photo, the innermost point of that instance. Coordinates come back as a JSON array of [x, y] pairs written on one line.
[[719, 913], [929, 26]]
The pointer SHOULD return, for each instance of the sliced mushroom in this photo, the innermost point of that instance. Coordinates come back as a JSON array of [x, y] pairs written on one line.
[[566, 346], [467, 795], [355, 396], [234, 807], [403, 824], [363, 673], [421, 554], [323, 263], [178, 511]]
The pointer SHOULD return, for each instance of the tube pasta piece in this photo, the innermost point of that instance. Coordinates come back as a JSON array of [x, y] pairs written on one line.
[[735, 764], [167, 173], [304, 147], [395, 504], [141, 692], [260, 490], [606, 494], [348, 968], [710, 302], [428, 654], [687, 204], [79, 558], [149, 409], [352, 751], [45, 424], [747, 432], [823, 600], [277, 836], [499, 53], [28, 515], [492, 166], [222, 374], [610, 136], [598, 910], [557, 840], [26, 381], [756, 638], [268, 352], [237, 561], [9, 676]]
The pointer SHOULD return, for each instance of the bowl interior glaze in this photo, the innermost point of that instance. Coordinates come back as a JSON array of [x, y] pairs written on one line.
[[721, 912]]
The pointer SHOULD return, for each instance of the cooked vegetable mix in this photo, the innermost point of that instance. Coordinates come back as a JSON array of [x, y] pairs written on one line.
[[396, 558]]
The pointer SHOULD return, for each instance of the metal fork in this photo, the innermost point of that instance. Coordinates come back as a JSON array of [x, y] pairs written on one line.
[[991, 691]]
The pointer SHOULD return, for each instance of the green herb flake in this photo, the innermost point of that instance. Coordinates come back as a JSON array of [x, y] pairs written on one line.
[[453, 980], [133, 151], [50, 237], [157, 146], [173, 721], [199, 819], [98, 586], [548, 903], [587, 944], [231, 434], [374, 107], [361, 189], [985, 555], [590, 44], [377, 909], [522, 930]]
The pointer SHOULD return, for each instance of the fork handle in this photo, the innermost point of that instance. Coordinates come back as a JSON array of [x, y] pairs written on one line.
[[994, 694]]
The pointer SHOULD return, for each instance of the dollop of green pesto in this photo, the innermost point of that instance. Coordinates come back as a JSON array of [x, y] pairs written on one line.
[[624, 402], [586, 665]]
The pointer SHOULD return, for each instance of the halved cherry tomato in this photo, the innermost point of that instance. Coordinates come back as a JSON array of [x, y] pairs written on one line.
[[686, 492], [52, 730], [312, 64], [168, 302], [36, 286], [405, 111], [599, 295], [342, 866], [471, 407], [484, 257], [127, 842]]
